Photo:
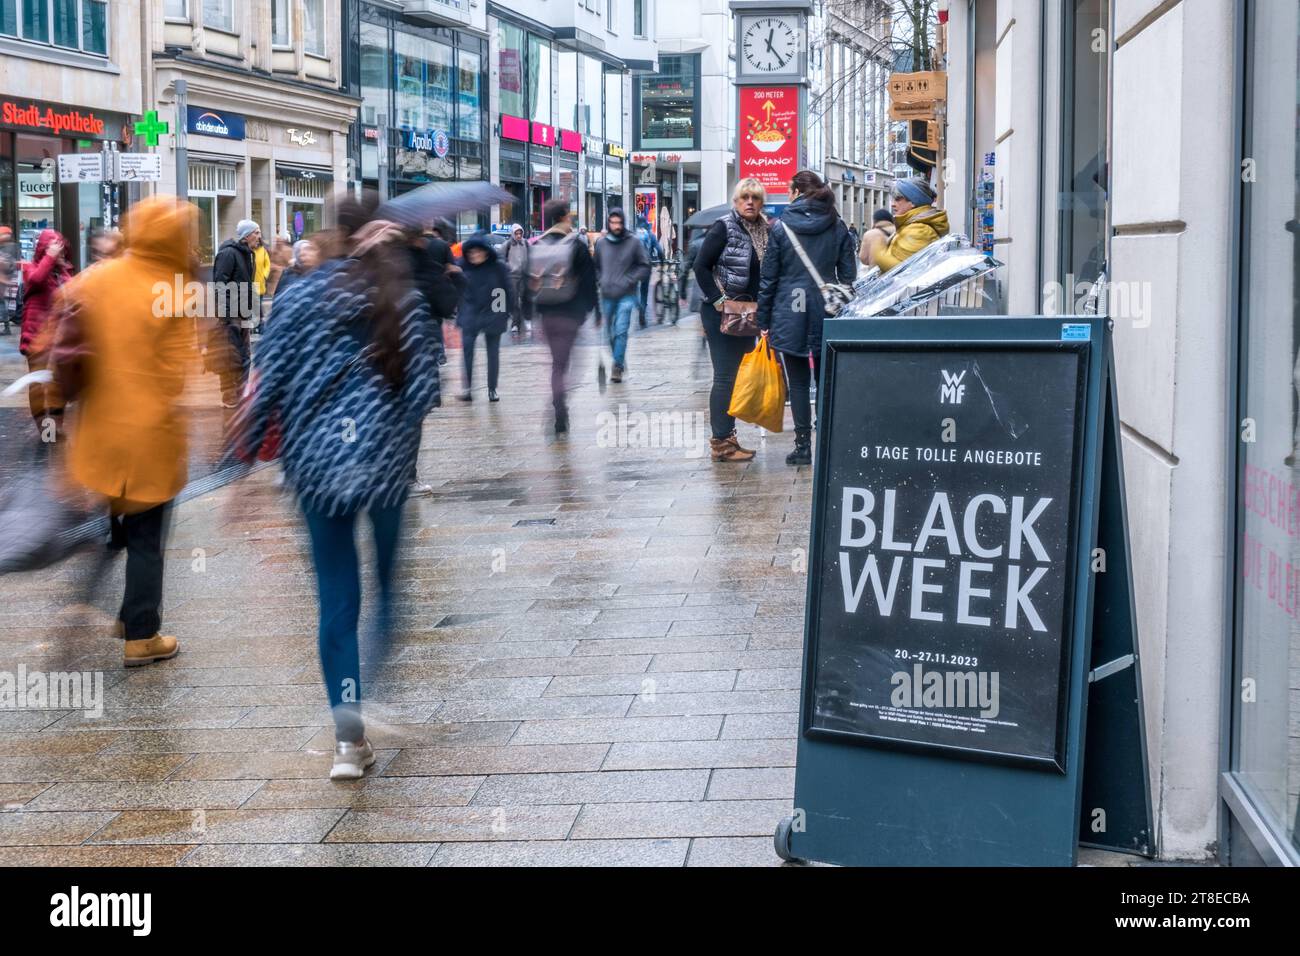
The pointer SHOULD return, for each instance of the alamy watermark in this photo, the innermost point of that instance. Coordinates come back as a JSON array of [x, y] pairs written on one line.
[[1128, 301], [198, 300], [52, 690], [624, 429], [946, 690]]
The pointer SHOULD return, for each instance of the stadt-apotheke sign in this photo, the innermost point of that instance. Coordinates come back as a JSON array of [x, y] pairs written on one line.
[[58, 120]]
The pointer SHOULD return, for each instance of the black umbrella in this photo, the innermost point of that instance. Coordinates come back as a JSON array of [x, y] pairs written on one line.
[[707, 217], [427, 204]]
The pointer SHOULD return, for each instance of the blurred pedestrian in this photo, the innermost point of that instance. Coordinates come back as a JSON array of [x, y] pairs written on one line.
[[654, 253], [11, 257], [130, 424], [234, 271], [881, 231], [42, 278], [727, 268], [484, 309], [304, 258], [621, 266], [791, 309], [562, 280], [103, 244], [516, 256], [349, 373], [919, 223]]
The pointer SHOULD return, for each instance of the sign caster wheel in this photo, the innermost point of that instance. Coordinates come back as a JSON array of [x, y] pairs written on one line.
[[781, 840]]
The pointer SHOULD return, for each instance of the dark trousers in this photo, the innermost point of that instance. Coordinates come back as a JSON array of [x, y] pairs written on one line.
[[561, 332], [234, 364], [643, 298], [467, 341], [145, 534], [338, 591], [798, 374], [725, 352]]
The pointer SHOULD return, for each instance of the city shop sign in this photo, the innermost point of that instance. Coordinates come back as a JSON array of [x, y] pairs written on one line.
[[60, 120], [208, 122]]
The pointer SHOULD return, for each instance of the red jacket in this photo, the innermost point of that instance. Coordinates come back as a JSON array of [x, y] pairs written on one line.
[[42, 279]]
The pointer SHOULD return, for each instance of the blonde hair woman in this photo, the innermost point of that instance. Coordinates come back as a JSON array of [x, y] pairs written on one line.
[[727, 269]]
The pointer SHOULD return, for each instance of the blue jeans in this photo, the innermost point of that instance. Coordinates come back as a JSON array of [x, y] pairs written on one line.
[[643, 298], [618, 317], [338, 587]]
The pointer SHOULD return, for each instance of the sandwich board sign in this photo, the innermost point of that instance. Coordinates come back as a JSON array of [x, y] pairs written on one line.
[[971, 693]]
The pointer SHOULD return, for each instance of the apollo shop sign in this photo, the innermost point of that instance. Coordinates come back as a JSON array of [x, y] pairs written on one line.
[[428, 141]]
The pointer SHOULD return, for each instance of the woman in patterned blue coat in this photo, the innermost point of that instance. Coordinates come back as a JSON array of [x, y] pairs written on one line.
[[349, 373]]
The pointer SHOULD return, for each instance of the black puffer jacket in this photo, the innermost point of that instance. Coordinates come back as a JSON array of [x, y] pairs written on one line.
[[826, 239], [489, 293]]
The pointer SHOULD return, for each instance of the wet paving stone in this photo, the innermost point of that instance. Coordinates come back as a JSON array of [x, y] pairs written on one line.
[[595, 662]]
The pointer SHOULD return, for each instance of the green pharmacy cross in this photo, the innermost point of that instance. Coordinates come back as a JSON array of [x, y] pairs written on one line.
[[151, 128]]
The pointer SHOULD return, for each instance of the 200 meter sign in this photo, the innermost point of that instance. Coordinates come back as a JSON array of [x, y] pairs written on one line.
[[943, 605]]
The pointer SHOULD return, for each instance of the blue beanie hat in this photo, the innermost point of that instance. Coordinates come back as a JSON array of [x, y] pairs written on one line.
[[915, 190]]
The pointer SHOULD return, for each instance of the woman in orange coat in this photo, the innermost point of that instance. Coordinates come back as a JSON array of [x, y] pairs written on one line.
[[128, 426]]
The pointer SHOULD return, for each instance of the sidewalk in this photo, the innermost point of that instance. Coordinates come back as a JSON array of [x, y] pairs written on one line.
[[598, 661]]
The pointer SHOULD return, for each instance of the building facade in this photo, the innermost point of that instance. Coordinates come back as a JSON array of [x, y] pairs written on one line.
[[260, 113], [1152, 146], [69, 74], [561, 75], [850, 60], [421, 71], [684, 117]]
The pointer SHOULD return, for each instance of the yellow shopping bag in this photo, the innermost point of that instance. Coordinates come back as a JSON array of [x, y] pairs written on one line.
[[759, 394]]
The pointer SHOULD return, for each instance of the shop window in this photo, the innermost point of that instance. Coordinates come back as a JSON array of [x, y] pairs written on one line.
[[219, 14], [281, 25], [567, 89], [1265, 759], [423, 71], [374, 73], [614, 106], [667, 105], [74, 24], [539, 80], [468, 96], [1083, 190], [592, 88], [313, 27], [511, 55]]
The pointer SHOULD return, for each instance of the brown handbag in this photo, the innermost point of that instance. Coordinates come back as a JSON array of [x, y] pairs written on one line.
[[739, 317]]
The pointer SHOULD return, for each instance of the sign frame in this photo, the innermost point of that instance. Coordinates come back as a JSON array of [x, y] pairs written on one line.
[[808, 723], [889, 805]]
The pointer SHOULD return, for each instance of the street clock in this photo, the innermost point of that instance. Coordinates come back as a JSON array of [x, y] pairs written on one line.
[[771, 40], [770, 44]]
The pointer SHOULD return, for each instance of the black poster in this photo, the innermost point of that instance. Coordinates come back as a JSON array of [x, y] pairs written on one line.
[[944, 604]]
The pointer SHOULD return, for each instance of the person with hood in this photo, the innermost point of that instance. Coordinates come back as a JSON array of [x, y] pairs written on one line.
[[349, 373], [234, 271], [484, 309], [654, 253], [563, 279], [129, 441], [516, 255], [728, 267], [621, 266], [42, 279], [790, 305], [918, 223], [882, 226]]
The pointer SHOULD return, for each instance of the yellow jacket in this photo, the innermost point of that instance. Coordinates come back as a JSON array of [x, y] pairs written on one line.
[[261, 268], [917, 228], [129, 430]]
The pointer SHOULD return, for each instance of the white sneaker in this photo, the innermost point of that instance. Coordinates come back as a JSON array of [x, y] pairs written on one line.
[[420, 490], [351, 760]]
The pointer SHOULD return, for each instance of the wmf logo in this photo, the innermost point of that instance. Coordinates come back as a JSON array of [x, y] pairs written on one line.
[[952, 391]]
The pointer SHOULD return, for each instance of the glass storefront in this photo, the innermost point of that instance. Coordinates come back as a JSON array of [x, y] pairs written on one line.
[[1265, 752], [429, 84], [593, 116], [1083, 190], [666, 108]]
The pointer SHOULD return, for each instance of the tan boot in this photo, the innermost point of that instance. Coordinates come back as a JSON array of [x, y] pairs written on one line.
[[735, 443], [147, 650], [726, 449]]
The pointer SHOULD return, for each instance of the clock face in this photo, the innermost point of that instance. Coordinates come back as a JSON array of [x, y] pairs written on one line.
[[771, 44]]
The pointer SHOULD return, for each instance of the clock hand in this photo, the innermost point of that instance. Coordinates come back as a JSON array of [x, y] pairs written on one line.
[[768, 41]]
